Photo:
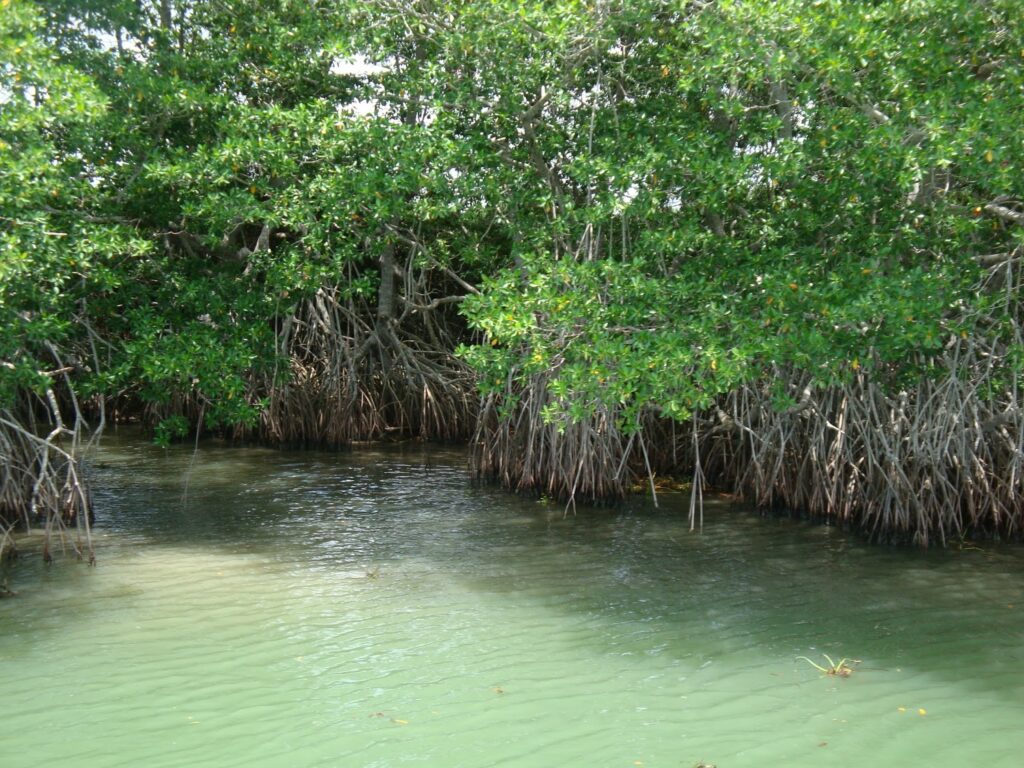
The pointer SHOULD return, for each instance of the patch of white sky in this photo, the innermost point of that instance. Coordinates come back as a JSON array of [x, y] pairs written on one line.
[[357, 65]]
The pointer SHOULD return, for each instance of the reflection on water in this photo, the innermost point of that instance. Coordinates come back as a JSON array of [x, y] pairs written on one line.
[[262, 608]]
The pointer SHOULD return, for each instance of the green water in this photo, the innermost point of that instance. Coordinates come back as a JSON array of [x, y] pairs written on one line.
[[261, 608]]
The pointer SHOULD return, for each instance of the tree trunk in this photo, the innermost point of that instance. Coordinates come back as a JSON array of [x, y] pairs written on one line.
[[165, 15], [386, 289]]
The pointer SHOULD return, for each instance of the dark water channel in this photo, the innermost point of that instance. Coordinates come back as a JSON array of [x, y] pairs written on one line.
[[260, 608]]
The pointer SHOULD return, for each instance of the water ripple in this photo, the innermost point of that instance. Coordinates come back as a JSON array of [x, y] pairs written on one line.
[[375, 609]]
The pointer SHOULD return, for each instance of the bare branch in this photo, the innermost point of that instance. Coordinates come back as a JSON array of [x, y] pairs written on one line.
[[1004, 213]]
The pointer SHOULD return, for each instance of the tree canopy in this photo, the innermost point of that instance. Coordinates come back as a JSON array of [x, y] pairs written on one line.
[[567, 226]]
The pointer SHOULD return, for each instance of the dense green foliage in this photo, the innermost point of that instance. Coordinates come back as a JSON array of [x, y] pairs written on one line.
[[761, 186], [257, 213]]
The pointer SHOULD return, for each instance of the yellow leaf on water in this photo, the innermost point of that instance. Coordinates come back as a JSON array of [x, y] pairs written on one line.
[[922, 712], [398, 721], [901, 709]]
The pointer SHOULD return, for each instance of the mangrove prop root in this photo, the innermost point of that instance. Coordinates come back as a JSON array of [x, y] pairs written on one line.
[[589, 460], [41, 482], [354, 379], [933, 461]]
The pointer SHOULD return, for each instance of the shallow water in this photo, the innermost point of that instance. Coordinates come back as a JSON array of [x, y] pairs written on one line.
[[259, 608]]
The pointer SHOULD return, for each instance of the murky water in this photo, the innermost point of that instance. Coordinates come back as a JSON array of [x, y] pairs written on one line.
[[261, 608]]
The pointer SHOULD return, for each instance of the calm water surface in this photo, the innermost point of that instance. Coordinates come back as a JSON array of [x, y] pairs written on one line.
[[262, 608]]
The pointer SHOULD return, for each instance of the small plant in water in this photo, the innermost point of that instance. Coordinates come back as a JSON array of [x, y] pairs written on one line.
[[842, 669]]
